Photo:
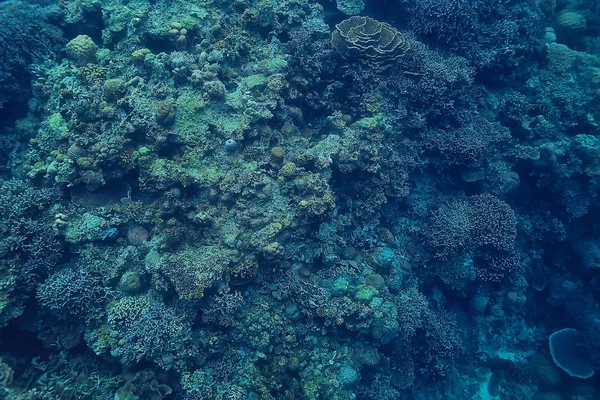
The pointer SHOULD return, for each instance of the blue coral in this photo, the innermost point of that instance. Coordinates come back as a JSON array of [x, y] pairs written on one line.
[[147, 329], [77, 294]]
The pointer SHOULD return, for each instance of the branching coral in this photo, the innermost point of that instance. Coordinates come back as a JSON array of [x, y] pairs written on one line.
[[482, 225], [71, 293], [28, 248], [144, 327], [448, 20], [221, 308], [468, 144]]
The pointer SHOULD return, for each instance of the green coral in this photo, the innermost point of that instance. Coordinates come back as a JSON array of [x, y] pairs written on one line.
[[82, 50], [193, 270], [87, 228], [143, 157], [252, 100], [365, 294]]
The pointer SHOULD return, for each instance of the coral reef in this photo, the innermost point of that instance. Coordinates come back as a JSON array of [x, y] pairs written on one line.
[[295, 199]]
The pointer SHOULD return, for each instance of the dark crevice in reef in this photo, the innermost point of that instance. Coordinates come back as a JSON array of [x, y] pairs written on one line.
[[158, 44], [21, 344], [91, 24]]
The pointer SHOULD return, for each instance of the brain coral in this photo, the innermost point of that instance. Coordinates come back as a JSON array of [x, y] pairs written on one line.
[[571, 21], [375, 43]]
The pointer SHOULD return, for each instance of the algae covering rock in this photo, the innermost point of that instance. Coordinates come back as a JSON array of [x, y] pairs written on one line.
[[350, 7], [194, 270], [88, 228]]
